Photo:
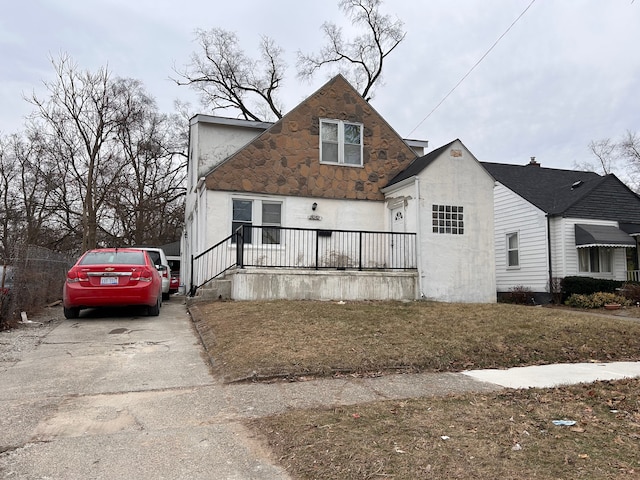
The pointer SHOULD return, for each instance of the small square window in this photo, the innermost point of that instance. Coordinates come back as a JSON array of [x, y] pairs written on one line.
[[447, 219]]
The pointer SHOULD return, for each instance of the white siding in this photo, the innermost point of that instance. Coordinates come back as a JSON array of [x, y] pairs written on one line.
[[513, 214], [296, 213], [566, 254]]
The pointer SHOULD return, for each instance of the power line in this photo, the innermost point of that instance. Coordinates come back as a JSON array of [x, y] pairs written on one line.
[[473, 68]]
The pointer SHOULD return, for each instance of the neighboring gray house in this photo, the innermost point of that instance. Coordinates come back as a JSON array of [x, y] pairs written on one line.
[[552, 223], [330, 202]]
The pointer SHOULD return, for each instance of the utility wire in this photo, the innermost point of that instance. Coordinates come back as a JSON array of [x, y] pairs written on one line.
[[473, 68]]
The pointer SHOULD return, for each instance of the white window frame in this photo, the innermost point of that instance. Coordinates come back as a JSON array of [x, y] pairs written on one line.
[[605, 259], [515, 249], [257, 220], [341, 142]]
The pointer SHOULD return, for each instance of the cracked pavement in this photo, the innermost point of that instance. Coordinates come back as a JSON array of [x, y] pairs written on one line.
[[115, 394]]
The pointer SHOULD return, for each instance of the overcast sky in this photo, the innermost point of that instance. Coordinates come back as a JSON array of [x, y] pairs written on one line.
[[567, 72]]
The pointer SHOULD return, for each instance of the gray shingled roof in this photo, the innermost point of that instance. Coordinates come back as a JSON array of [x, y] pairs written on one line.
[[570, 193], [418, 165]]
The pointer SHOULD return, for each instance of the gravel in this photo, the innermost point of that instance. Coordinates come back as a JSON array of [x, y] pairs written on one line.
[[17, 342]]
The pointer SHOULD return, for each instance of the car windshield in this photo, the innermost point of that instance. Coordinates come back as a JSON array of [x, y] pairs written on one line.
[[115, 257]]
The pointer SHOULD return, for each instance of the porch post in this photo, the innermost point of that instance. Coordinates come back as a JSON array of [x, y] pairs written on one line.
[[240, 246], [317, 247]]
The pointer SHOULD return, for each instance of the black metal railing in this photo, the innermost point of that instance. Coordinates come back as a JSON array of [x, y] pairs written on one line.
[[280, 247]]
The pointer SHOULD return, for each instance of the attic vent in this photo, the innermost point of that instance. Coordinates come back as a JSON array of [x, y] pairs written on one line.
[[576, 184]]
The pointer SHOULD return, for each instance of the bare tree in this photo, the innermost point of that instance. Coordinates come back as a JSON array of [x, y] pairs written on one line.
[[361, 59], [629, 148], [226, 78], [81, 117], [25, 192], [621, 158], [148, 208], [605, 152]]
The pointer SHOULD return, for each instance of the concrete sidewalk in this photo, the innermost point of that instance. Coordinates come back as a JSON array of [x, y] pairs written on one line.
[[132, 397], [544, 376]]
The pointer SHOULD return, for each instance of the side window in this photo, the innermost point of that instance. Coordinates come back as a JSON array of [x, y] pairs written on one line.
[[447, 219], [513, 250], [242, 216]]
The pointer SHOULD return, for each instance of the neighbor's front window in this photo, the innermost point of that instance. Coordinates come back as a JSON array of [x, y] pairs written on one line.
[[267, 214], [340, 142], [595, 259], [513, 257], [447, 219]]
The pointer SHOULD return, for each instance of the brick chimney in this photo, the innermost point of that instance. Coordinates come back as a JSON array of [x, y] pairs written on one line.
[[533, 162]]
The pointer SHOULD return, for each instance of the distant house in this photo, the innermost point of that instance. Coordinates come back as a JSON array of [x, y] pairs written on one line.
[[552, 223], [330, 202]]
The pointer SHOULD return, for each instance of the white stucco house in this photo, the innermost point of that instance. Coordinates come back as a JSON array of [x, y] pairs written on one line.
[[553, 223], [329, 202]]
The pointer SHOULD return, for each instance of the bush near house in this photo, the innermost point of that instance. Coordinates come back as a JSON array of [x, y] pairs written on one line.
[[588, 285], [631, 291], [519, 295], [596, 300]]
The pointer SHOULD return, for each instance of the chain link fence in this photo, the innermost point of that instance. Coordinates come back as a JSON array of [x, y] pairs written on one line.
[[31, 278]]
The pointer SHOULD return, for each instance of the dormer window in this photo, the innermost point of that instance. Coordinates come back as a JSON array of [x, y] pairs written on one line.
[[340, 142]]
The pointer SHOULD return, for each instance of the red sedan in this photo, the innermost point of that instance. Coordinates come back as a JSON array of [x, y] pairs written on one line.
[[112, 277]]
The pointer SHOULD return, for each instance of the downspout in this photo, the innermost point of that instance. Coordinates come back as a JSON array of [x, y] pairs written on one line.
[[418, 238], [549, 255]]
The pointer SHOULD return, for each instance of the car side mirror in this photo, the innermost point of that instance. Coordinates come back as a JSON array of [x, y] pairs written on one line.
[[161, 268]]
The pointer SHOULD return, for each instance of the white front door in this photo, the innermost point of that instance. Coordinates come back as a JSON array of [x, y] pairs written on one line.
[[398, 247]]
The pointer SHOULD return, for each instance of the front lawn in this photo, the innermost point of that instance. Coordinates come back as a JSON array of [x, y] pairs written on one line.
[[509, 434], [288, 339]]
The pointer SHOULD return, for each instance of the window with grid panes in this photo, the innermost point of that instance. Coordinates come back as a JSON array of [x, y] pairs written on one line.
[[448, 219]]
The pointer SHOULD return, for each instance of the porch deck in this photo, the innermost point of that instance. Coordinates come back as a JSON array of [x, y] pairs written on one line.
[[287, 262]]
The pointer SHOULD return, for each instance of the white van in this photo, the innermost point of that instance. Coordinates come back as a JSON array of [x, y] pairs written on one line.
[[159, 259]]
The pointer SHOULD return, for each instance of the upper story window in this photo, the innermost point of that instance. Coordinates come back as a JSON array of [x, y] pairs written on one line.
[[447, 219], [340, 142], [513, 250]]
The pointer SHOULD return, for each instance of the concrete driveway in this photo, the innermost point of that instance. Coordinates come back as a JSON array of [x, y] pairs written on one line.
[[112, 395]]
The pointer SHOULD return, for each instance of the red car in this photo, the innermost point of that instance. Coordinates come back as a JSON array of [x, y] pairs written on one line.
[[112, 277], [174, 286]]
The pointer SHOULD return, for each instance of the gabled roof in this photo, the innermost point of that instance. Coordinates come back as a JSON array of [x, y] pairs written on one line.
[[569, 193], [284, 159], [419, 164]]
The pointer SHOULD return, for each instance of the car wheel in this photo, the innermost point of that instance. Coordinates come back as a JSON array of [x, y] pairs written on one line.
[[155, 310], [165, 296], [71, 313]]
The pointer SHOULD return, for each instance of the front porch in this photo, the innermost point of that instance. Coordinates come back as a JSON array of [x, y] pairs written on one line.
[[261, 263]]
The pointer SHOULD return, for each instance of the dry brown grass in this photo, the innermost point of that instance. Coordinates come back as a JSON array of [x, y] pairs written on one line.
[[506, 435], [261, 340]]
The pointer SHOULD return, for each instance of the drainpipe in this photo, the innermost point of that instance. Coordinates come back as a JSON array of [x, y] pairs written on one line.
[[549, 255], [418, 237]]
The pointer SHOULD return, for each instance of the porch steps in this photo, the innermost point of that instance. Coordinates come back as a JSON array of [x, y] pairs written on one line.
[[213, 290]]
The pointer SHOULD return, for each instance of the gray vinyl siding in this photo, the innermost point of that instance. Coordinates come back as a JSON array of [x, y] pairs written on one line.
[[513, 214]]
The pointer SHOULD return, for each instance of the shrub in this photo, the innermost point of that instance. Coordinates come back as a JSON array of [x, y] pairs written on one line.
[[588, 285], [595, 300], [519, 295], [631, 292]]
